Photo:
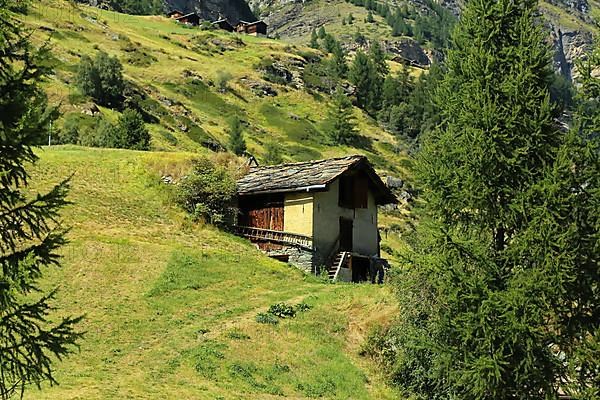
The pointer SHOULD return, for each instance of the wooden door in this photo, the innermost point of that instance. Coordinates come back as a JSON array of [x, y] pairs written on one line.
[[345, 234]]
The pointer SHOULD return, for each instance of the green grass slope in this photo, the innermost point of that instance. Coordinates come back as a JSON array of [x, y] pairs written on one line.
[[175, 70], [170, 306]]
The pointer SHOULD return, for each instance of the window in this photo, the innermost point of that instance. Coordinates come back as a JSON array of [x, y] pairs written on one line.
[[354, 192]]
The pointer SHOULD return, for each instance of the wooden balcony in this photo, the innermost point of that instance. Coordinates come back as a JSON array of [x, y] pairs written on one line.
[[267, 235]]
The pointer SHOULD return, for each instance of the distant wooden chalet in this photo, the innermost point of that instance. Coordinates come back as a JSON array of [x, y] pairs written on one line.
[[255, 28], [174, 14], [316, 214], [223, 24], [191, 19]]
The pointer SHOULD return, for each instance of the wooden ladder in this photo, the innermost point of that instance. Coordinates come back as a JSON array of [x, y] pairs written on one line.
[[338, 262]]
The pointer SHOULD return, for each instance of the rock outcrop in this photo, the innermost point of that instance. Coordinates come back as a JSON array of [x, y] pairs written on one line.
[[234, 10]]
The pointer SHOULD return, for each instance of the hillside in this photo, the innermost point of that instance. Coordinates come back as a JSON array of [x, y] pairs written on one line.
[[176, 75], [170, 307], [571, 24]]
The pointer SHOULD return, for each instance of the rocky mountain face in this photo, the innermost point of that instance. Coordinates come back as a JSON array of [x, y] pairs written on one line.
[[234, 10], [569, 21]]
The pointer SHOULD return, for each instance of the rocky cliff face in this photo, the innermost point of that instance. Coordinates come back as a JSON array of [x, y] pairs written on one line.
[[234, 10], [569, 22]]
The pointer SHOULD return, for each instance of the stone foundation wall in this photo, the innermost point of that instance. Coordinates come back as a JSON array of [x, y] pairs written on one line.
[[300, 258]]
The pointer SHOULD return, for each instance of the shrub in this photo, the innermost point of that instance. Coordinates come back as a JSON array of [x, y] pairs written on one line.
[[208, 192], [301, 307], [101, 79], [222, 81], [266, 318], [237, 144], [282, 310], [132, 131]]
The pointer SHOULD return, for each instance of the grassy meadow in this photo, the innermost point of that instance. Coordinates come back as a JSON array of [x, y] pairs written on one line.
[[170, 306], [176, 71]]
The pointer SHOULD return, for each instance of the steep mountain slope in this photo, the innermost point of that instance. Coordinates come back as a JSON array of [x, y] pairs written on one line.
[[571, 23], [190, 82], [170, 307], [211, 10]]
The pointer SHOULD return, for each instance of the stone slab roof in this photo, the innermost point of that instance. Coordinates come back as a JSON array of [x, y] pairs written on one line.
[[310, 176]]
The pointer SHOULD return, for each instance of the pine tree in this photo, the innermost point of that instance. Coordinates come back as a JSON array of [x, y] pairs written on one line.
[[322, 33], [501, 295], [361, 76], [339, 61], [237, 144], [341, 117], [133, 131], [30, 231], [380, 71], [314, 39]]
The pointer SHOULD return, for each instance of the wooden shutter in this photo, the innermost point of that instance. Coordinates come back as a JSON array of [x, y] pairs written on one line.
[[361, 192]]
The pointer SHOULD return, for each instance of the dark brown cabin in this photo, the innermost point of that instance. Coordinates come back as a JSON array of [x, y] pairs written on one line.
[[192, 19], [223, 24], [174, 14], [252, 28]]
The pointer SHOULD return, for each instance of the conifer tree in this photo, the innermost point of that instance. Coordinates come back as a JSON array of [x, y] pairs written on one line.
[[322, 33], [380, 70], [133, 131], [314, 39], [237, 144], [501, 298], [361, 76], [341, 116], [30, 231], [339, 61]]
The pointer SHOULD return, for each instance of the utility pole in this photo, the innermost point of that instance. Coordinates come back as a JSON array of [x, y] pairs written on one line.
[[50, 135]]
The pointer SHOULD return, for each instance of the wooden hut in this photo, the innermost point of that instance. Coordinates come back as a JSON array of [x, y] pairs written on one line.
[[174, 14], [316, 213], [255, 28], [191, 19], [223, 24]]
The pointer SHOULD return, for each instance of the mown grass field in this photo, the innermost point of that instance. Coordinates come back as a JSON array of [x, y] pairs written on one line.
[[170, 306]]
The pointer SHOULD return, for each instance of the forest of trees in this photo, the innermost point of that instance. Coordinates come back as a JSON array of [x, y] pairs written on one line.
[[433, 26]]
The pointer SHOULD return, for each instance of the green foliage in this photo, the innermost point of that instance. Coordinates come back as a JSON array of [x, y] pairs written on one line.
[[362, 76], [222, 81], [208, 193], [131, 131], [500, 298], [406, 106], [341, 117], [314, 39], [101, 79], [282, 310], [267, 318], [237, 144], [322, 33], [30, 226]]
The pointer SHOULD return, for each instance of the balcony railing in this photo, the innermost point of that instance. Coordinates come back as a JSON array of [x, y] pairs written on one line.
[[280, 237]]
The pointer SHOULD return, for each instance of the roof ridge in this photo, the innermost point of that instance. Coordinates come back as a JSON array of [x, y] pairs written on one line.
[[310, 162]]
